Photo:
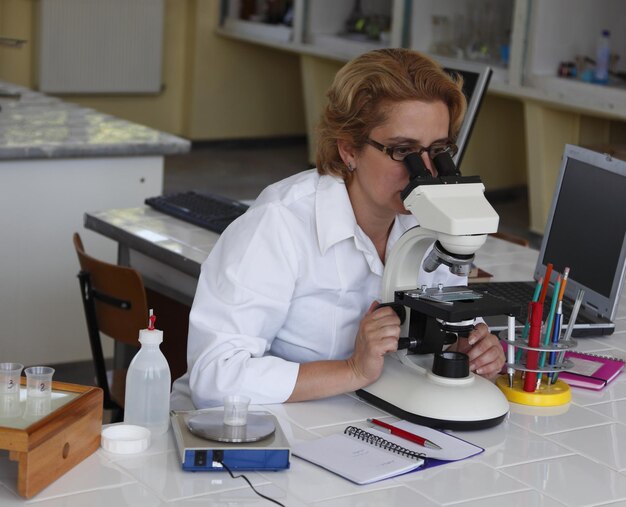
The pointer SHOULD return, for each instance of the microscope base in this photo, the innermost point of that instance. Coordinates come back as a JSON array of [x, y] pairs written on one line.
[[468, 403]]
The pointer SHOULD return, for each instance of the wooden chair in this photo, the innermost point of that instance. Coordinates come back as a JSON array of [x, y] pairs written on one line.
[[115, 303]]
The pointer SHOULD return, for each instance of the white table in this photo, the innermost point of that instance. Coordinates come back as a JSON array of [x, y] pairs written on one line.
[[572, 455]]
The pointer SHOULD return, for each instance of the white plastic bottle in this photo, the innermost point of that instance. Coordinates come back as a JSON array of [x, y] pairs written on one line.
[[603, 56], [147, 401]]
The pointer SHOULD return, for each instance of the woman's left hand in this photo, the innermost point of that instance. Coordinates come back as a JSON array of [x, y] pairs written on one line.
[[484, 350]]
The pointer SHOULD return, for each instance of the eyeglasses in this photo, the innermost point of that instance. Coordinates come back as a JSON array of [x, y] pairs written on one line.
[[399, 153]]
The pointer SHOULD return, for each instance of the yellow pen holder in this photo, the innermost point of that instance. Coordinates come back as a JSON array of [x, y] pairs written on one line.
[[547, 394]]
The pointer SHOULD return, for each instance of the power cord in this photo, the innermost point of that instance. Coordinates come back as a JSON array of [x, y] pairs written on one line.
[[249, 483]]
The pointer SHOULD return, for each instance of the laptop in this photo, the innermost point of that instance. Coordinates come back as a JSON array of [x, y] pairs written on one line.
[[585, 231]]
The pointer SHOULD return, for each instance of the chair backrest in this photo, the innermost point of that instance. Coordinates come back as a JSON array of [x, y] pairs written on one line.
[[115, 303], [119, 296]]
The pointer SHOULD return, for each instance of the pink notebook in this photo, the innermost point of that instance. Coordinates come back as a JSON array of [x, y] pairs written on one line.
[[591, 371]]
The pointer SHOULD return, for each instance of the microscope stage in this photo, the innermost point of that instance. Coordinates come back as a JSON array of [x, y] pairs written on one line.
[[454, 304]]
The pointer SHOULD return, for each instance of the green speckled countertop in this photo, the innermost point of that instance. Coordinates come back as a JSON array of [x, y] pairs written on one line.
[[39, 126]]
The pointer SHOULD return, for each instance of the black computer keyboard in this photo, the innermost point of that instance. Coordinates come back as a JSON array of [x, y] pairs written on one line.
[[521, 293], [211, 211]]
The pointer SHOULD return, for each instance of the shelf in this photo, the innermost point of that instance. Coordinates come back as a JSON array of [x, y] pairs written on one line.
[[537, 38], [258, 31], [476, 31], [552, 39], [608, 100], [344, 47]]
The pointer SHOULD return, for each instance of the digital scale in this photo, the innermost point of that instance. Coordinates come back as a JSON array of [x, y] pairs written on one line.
[[204, 442]]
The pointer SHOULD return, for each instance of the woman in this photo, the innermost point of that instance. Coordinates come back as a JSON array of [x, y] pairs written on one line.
[[285, 308]]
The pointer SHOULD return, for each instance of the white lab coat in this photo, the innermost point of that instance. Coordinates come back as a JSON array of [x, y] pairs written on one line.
[[287, 283]]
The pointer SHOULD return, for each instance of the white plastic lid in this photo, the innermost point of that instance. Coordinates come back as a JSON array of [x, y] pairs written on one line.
[[151, 336], [125, 439]]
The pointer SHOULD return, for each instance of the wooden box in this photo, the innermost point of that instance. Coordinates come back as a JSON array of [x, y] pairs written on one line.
[[49, 437]]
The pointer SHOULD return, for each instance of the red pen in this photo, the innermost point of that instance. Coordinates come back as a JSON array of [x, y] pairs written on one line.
[[532, 356], [404, 434]]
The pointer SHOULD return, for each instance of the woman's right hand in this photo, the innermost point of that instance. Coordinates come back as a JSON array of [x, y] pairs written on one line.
[[378, 334]]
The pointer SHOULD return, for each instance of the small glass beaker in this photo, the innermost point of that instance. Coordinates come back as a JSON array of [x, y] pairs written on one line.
[[39, 381], [37, 407], [236, 410], [10, 405], [10, 377]]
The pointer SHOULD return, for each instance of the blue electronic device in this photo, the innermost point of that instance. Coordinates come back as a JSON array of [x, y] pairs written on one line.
[[197, 454]]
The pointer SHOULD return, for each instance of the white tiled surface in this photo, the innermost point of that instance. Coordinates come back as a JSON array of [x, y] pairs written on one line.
[[162, 231], [573, 455], [573, 480]]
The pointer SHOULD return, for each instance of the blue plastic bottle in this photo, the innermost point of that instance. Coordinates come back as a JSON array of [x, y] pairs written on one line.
[[603, 56]]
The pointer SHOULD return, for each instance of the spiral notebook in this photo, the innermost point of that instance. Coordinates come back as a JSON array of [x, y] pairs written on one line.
[[368, 455], [591, 371]]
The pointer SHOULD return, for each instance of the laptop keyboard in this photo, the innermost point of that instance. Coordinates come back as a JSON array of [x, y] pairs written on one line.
[[522, 293], [211, 211]]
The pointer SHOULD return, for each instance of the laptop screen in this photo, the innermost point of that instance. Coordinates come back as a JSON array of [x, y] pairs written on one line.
[[586, 229], [476, 79]]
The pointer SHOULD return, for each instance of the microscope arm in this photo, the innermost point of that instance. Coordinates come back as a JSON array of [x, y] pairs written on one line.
[[401, 270]]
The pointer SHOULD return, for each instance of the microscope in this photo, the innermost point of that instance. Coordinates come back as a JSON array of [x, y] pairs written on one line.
[[423, 382]]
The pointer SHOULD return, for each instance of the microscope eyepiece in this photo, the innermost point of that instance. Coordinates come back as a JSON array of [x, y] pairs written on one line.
[[445, 165], [418, 173], [416, 167]]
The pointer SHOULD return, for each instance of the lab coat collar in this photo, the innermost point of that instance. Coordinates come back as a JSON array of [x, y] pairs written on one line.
[[334, 214], [336, 221], [401, 224]]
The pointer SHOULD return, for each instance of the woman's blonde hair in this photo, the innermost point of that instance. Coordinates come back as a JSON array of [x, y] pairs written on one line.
[[363, 88]]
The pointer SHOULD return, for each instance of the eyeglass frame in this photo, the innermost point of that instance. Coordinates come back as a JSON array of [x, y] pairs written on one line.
[[450, 147]]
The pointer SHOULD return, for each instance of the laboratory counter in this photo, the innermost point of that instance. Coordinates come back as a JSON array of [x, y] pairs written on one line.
[[58, 159], [34, 125]]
